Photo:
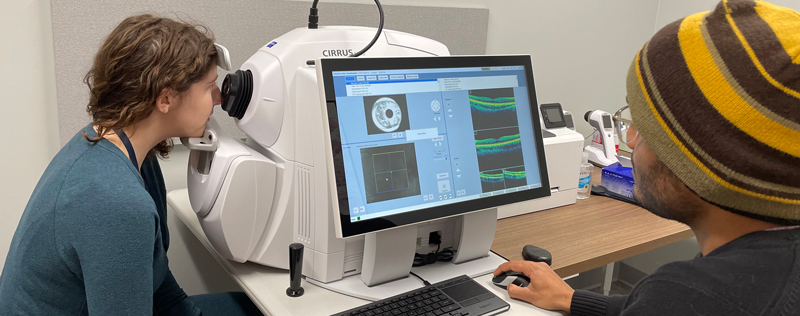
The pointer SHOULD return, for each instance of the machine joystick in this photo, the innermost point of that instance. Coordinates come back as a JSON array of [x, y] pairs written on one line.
[[295, 270]]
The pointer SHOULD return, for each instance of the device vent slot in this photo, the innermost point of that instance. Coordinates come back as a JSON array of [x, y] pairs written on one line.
[[353, 257], [304, 204]]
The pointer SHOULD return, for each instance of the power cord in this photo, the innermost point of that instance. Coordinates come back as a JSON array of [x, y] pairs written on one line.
[[421, 279], [430, 258], [313, 23]]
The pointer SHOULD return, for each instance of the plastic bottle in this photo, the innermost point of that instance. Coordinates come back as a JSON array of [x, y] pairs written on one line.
[[585, 179]]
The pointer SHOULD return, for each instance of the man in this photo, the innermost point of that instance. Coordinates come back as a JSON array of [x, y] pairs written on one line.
[[715, 101]]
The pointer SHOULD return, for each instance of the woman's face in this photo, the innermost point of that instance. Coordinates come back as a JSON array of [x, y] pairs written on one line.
[[197, 105]]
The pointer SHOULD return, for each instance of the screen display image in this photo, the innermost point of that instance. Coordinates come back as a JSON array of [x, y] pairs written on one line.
[[409, 142], [497, 143], [554, 115], [386, 114], [390, 172]]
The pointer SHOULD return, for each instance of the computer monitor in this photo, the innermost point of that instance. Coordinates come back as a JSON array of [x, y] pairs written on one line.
[[423, 138]]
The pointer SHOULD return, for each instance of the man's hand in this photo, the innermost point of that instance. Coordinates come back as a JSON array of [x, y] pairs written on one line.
[[547, 290]]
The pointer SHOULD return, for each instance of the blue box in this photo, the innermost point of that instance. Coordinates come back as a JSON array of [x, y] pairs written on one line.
[[618, 179]]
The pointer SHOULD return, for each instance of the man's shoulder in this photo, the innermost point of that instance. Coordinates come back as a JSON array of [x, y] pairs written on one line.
[[748, 276], [744, 257]]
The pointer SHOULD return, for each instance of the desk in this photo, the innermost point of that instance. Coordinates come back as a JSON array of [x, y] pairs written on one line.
[[588, 234], [583, 236], [266, 286]]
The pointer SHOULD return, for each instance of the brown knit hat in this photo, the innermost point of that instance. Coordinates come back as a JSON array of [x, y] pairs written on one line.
[[716, 96]]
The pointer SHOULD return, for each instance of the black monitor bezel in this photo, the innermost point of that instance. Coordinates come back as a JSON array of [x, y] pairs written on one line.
[[350, 229]]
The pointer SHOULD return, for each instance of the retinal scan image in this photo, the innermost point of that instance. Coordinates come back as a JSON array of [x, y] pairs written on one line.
[[386, 114], [497, 142], [390, 172]]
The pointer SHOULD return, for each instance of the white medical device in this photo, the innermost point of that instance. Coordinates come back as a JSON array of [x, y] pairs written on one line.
[[602, 151], [253, 199]]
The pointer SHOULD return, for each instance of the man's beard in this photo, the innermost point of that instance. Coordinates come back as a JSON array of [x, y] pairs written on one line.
[[659, 191]]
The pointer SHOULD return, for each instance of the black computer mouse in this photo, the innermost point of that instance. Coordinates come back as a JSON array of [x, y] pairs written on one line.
[[511, 277]]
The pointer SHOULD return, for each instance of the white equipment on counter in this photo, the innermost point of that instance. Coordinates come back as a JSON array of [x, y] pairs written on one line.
[[253, 199]]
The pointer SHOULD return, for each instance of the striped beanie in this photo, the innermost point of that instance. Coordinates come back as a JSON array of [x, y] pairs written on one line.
[[716, 96]]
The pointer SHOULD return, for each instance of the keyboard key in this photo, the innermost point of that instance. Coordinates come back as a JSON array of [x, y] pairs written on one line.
[[436, 306], [449, 308], [427, 308], [446, 302], [427, 302]]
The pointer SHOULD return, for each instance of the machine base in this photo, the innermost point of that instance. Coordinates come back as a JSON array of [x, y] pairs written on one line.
[[440, 271]]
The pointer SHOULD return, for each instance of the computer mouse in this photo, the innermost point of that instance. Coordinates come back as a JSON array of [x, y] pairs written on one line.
[[511, 277]]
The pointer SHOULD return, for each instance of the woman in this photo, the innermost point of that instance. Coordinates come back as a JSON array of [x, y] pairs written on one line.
[[93, 237]]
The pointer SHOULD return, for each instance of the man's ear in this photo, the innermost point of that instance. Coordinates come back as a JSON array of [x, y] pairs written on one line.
[[167, 100]]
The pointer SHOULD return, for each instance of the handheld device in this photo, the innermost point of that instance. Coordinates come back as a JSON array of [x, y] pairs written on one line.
[[602, 151]]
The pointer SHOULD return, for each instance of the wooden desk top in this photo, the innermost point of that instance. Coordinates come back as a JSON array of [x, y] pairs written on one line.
[[605, 229]]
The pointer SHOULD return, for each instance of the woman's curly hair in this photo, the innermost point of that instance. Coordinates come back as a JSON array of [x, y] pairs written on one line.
[[143, 56]]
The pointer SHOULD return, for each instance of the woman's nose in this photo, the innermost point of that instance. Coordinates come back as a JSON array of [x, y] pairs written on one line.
[[216, 95]]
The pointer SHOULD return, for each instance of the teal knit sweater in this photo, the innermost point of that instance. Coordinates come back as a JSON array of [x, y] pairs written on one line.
[[92, 239]]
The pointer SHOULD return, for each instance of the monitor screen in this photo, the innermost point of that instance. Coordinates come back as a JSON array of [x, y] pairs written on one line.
[[416, 139]]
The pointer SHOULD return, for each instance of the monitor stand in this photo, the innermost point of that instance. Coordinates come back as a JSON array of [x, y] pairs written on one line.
[[388, 256]]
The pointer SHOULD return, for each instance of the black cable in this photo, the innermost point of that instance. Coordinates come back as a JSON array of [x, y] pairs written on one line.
[[377, 34], [419, 277], [433, 257], [313, 23], [313, 17]]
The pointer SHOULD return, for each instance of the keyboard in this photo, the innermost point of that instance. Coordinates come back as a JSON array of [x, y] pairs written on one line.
[[457, 296]]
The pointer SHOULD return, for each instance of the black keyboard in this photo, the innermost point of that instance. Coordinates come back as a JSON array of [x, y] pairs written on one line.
[[457, 296]]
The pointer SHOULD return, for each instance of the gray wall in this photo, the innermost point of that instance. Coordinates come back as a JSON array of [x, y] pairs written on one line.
[[671, 10], [79, 27]]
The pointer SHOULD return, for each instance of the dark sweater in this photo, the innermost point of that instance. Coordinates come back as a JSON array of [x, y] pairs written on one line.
[[93, 239], [756, 274]]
